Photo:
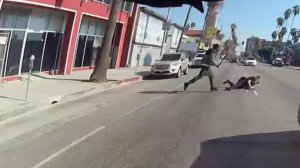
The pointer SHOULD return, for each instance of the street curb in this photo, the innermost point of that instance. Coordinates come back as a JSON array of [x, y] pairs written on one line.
[[64, 98]]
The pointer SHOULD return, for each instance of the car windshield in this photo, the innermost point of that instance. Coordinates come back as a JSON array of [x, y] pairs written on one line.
[[251, 58], [171, 57]]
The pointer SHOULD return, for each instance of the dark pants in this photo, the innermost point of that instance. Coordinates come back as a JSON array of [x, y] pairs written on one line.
[[241, 83], [205, 71]]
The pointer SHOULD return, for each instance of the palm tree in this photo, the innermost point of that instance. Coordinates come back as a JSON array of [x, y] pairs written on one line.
[[294, 32], [295, 39], [233, 26], [295, 35], [188, 26], [274, 35], [287, 15], [193, 25], [284, 31], [233, 34], [280, 36], [280, 22], [296, 10], [100, 71]]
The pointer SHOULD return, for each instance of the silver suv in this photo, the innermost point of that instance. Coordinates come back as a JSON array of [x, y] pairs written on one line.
[[171, 64]]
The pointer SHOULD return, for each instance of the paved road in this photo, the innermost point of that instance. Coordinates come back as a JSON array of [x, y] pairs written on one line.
[[153, 124]]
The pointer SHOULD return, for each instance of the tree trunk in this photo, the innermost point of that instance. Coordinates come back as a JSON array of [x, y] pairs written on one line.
[[290, 29], [99, 73]]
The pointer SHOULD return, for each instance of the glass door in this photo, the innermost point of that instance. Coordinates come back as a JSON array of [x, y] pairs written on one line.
[[80, 50], [88, 51], [34, 46], [96, 47], [4, 39], [51, 51]]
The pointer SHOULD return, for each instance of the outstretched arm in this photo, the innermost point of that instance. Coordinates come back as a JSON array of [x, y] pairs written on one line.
[[250, 86]]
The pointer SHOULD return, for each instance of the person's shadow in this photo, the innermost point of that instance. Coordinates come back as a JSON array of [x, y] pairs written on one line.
[[266, 150]]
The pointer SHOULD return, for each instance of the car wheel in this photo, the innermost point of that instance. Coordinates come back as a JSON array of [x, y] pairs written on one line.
[[177, 75], [186, 71]]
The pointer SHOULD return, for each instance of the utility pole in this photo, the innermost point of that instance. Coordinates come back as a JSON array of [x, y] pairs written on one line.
[[165, 32], [185, 23]]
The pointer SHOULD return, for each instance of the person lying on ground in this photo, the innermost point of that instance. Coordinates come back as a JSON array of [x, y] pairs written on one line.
[[243, 83]]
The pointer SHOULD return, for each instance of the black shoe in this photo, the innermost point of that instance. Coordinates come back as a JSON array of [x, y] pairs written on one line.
[[213, 89], [227, 89], [185, 86]]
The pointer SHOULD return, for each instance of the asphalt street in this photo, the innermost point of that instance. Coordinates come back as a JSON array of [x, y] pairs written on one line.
[[154, 124]]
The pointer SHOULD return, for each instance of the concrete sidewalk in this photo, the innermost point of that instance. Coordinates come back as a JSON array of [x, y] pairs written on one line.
[[46, 89]]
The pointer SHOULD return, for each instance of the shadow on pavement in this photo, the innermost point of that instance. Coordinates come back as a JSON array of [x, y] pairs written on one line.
[[154, 77], [62, 79], [171, 92], [4, 97], [279, 149]]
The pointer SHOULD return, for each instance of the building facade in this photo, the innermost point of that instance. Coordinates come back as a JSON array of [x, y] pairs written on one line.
[[253, 43], [63, 35], [148, 38]]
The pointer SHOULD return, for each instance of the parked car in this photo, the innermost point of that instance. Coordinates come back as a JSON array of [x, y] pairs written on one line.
[[171, 64], [277, 62], [250, 61], [264, 61], [196, 61], [233, 60], [242, 60]]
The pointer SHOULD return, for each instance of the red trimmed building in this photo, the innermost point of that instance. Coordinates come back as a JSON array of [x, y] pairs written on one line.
[[64, 35]]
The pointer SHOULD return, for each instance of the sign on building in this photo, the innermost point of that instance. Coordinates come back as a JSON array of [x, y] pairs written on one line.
[[166, 26], [210, 31]]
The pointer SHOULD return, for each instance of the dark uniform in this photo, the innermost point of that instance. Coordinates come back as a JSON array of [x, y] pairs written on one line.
[[206, 62], [242, 83]]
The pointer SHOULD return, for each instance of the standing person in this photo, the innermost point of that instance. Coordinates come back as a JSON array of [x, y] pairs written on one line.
[[206, 62]]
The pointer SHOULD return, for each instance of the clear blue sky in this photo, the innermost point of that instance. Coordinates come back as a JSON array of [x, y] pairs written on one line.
[[253, 17]]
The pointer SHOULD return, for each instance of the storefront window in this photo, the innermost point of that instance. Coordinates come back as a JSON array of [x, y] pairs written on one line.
[[84, 26], [92, 27], [127, 6], [39, 20], [80, 50], [4, 39], [7, 18], [14, 55], [107, 1], [55, 22], [101, 26], [43, 29], [34, 46], [88, 51], [51, 52], [89, 41], [21, 20], [96, 46]]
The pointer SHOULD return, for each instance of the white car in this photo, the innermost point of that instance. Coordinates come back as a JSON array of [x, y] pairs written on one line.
[[171, 64], [250, 61], [196, 62], [277, 62]]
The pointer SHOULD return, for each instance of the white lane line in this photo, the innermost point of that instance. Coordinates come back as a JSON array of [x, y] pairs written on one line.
[[136, 109], [179, 86], [53, 156], [48, 159]]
